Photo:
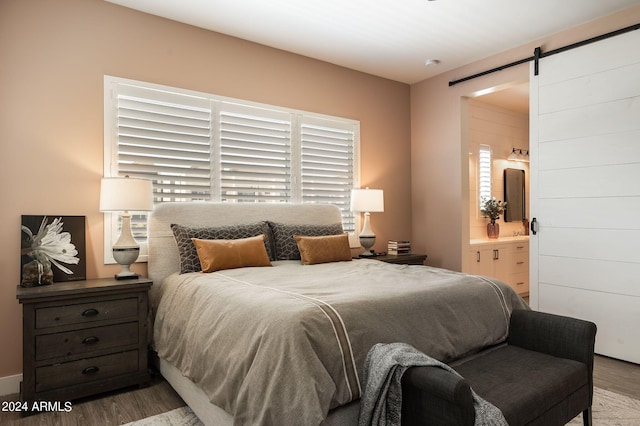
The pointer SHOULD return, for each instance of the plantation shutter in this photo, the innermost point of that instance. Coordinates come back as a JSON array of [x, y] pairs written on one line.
[[166, 138], [327, 152], [484, 173], [196, 146], [255, 154]]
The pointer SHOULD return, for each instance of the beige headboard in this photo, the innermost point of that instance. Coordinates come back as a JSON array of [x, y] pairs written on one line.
[[163, 251]]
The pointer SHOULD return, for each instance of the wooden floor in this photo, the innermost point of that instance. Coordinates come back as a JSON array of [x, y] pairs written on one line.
[[617, 376], [125, 406], [113, 408]]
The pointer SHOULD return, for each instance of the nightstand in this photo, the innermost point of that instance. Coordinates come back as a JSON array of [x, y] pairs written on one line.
[[81, 338], [405, 259]]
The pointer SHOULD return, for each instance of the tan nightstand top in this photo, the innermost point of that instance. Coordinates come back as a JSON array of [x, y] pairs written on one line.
[[407, 259]]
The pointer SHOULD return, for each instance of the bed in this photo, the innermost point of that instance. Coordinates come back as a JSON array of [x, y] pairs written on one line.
[[285, 344]]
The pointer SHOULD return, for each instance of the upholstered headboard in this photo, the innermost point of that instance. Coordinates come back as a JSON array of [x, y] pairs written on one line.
[[163, 250]]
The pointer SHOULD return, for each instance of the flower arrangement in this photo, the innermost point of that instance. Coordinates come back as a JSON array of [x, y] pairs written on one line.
[[48, 246], [492, 208]]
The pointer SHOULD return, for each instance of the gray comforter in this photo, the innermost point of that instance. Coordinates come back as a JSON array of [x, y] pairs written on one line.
[[285, 344]]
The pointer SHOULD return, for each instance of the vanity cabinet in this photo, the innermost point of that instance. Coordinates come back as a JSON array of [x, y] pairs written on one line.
[[519, 267], [507, 261], [490, 260]]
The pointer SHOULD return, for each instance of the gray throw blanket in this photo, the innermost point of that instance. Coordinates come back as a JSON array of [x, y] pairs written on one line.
[[381, 401]]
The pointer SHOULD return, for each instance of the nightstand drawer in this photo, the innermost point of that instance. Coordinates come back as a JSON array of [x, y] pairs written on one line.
[[87, 340], [86, 312], [85, 370]]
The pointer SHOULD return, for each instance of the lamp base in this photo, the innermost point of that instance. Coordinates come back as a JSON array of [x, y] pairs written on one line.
[[126, 277], [367, 241], [125, 256]]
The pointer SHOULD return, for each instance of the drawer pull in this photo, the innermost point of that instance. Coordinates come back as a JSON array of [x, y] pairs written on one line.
[[90, 340], [90, 312], [520, 283], [519, 263], [90, 370]]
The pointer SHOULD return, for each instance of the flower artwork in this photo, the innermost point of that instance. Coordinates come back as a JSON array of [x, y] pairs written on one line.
[[52, 250]]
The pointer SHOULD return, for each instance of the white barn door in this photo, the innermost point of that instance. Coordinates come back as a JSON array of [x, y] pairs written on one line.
[[585, 189]]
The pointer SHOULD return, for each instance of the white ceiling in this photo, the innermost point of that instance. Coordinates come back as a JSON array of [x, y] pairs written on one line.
[[387, 38], [515, 98]]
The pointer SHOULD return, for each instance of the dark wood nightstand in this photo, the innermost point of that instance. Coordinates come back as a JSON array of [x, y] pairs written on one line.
[[405, 259], [81, 338]]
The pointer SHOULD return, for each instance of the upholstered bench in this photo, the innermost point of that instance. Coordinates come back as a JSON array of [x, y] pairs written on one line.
[[543, 375]]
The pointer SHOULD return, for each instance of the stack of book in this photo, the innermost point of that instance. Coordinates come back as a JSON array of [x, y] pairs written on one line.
[[399, 247]]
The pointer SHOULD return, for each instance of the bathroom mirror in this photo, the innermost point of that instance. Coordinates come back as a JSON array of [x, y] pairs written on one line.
[[514, 195]]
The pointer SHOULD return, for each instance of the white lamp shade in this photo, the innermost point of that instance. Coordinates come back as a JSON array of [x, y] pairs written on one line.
[[367, 200], [126, 194]]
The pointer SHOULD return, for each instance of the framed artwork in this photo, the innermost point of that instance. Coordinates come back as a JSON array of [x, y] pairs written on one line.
[[53, 249]]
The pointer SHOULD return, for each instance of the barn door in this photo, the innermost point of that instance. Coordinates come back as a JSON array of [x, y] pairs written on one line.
[[585, 189]]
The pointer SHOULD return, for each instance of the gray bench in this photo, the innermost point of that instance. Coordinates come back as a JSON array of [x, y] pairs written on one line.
[[543, 375]]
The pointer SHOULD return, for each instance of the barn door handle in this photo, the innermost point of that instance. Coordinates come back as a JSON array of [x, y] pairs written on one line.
[[534, 226]]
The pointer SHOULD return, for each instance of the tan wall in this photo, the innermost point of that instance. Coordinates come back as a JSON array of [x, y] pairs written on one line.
[[54, 54], [439, 141]]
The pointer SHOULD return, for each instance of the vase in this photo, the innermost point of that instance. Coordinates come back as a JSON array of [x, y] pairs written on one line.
[[493, 230], [36, 273]]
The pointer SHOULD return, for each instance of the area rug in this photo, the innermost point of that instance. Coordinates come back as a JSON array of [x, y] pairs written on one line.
[[182, 416], [609, 409], [612, 409]]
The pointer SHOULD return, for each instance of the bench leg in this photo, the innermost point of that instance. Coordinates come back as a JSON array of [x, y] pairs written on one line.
[[586, 417]]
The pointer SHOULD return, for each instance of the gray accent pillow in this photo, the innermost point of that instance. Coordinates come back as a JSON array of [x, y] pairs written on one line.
[[285, 246], [189, 261]]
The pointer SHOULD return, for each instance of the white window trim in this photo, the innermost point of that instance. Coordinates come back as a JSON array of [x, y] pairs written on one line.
[[111, 151]]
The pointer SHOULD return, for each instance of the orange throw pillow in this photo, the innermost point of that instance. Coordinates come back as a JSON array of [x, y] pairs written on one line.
[[216, 255], [329, 248]]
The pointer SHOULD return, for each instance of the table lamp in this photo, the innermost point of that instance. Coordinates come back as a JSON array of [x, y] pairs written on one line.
[[125, 194], [367, 201]]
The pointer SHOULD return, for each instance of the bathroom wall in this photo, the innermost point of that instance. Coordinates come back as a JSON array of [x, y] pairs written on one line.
[[503, 130]]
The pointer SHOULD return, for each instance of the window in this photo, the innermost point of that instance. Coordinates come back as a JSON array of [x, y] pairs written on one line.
[[328, 162], [254, 155], [484, 173], [201, 147]]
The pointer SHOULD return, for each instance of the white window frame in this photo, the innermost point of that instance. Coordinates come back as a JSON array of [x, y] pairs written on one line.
[[111, 168]]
